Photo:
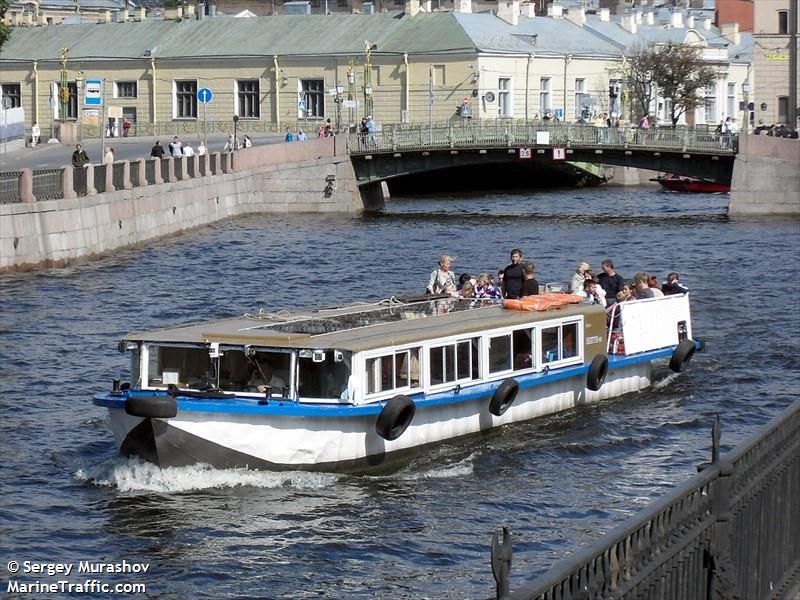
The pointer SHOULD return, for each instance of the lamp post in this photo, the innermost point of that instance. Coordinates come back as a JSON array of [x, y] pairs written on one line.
[[746, 111], [368, 48], [235, 137], [338, 100], [351, 91]]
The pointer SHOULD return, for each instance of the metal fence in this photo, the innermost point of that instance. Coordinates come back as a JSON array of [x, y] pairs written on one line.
[[164, 170], [732, 532], [100, 178], [118, 175], [134, 174], [150, 171], [9, 187], [47, 184], [492, 134], [79, 178]]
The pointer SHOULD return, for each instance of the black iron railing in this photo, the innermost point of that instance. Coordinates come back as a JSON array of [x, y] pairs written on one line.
[[9, 187], [732, 532]]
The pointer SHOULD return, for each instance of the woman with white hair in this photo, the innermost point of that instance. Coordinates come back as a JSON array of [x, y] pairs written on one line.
[[576, 285], [442, 277]]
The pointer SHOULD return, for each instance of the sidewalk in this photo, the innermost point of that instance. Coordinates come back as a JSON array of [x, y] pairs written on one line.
[[54, 156]]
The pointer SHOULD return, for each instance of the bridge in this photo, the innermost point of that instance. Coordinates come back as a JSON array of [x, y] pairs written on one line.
[[402, 150]]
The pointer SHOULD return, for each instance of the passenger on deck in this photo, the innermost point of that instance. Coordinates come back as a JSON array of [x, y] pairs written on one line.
[[465, 278], [484, 288], [513, 276], [441, 277], [610, 281], [673, 286], [628, 292], [590, 293], [576, 284], [530, 286], [259, 380], [642, 287], [467, 290]]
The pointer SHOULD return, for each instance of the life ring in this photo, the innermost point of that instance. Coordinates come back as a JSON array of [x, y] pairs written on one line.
[[395, 417], [504, 397], [682, 355], [598, 370], [161, 407]]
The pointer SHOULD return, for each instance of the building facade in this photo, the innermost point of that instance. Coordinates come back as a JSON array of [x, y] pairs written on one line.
[[771, 62]]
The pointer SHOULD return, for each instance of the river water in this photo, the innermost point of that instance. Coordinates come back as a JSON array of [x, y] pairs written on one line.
[[425, 531]]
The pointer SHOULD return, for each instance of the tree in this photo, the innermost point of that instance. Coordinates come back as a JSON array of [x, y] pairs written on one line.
[[676, 71], [5, 30]]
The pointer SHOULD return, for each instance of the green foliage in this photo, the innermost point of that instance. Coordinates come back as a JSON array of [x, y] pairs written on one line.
[[5, 30], [675, 71]]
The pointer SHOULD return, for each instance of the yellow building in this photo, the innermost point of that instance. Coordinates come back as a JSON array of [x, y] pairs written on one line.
[[773, 39]]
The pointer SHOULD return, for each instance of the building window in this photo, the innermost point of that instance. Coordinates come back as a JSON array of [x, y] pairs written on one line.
[[126, 89], [783, 22], [248, 95], [504, 106], [711, 104], [544, 94], [581, 104], [731, 105], [72, 103], [341, 3], [783, 109], [186, 99], [439, 75], [312, 98], [12, 95]]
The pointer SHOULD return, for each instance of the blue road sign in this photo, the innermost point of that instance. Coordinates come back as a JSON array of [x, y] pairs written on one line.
[[204, 95], [94, 92]]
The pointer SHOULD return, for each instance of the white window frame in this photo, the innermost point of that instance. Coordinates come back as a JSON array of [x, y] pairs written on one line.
[[710, 111], [505, 97], [580, 92], [236, 111], [301, 94], [175, 99], [365, 374], [562, 362], [457, 381], [731, 101], [115, 89], [545, 103]]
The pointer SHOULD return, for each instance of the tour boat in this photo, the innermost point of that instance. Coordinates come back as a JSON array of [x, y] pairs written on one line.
[[352, 388], [678, 183]]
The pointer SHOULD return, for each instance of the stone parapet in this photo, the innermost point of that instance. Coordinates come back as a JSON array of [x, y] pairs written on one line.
[[766, 177]]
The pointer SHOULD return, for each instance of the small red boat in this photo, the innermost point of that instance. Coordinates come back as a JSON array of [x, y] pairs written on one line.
[[681, 183]]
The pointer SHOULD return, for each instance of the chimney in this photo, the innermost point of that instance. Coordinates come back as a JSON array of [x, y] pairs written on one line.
[[707, 24], [605, 15], [508, 11], [141, 13], [690, 22], [556, 11], [629, 23], [188, 11], [638, 15], [412, 7], [677, 20], [529, 9], [464, 6], [730, 31], [651, 18], [105, 16], [212, 10], [426, 6], [577, 16]]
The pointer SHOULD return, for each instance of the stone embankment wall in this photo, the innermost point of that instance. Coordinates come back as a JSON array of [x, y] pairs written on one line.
[[314, 176], [766, 177]]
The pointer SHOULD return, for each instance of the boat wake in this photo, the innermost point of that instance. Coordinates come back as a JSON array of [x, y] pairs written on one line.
[[666, 382], [457, 469], [133, 475]]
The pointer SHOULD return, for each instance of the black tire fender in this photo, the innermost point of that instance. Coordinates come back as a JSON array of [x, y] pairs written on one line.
[[598, 370], [504, 396], [160, 407], [395, 417], [682, 355]]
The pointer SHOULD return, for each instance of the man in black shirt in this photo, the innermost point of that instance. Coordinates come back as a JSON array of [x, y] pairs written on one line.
[[611, 281], [530, 287], [157, 151], [513, 276]]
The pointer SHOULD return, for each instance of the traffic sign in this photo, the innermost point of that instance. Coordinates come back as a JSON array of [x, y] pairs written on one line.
[[94, 92], [204, 95], [559, 154]]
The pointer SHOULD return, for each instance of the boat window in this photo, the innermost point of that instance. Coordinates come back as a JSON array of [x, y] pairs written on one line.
[[323, 379], [186, 367], [499, 353], [136, 367], [393, 371], [254, 371], [523, 349], [560, 342], [453, 362]]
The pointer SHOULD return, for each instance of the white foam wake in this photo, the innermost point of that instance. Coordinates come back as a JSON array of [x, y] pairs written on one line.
[[666, 382], [458, 469], [134, 475]]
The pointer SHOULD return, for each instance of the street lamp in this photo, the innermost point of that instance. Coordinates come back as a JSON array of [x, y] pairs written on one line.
[[746, 93], [235, 138]]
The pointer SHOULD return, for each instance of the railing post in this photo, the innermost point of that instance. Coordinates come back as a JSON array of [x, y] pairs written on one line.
[[90, 189], [126, 175], [170, 169], [67, 184], [181, 160], [141, 166], [157, 178], [26, 185], [110, 177], [450, 136], [213, 164], [195, 165]]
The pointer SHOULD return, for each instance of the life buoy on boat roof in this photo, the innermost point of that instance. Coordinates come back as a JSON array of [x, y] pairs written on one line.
[[504, 396], [395, 417], [598, 369], [541, 301], [160, 407], [682, 355]]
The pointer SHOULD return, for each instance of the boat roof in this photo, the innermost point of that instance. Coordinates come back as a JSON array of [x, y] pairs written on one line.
[[359, 327]]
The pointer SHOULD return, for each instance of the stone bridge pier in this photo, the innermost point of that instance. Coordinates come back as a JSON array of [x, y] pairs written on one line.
[[766, 177]]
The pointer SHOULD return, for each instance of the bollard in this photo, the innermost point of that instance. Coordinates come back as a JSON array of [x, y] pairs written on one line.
[[170, 169], [90, 189], [126, 175], [26, 185], [180, 165], [67, 183], [110, 177], [157, 178], [501, 562], [195, 160], [214, 167]]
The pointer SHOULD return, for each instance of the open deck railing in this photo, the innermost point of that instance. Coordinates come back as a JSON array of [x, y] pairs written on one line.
[[729, 533], [512, 134]]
